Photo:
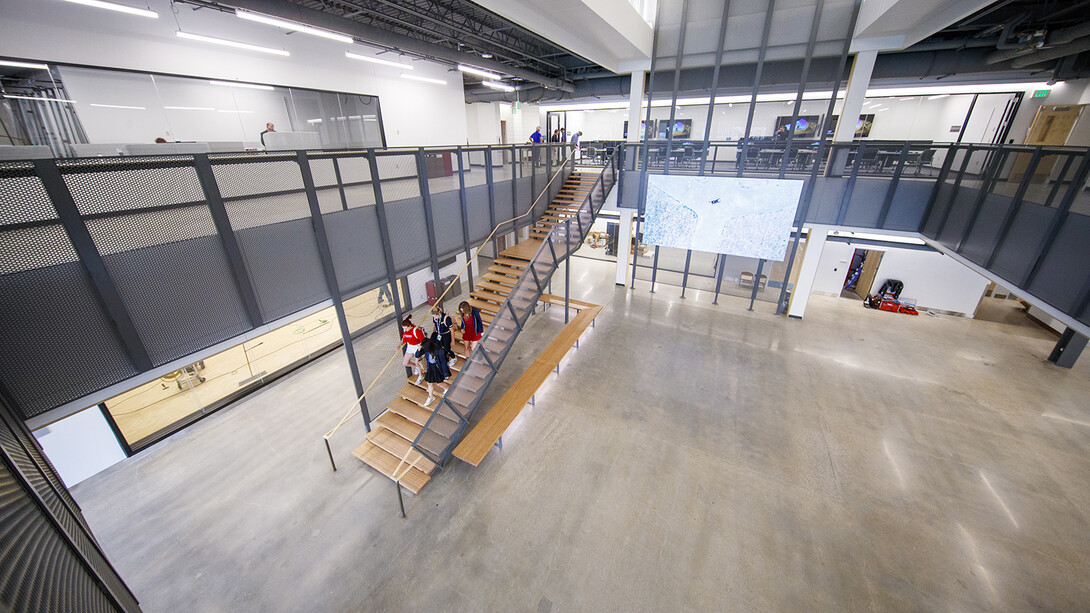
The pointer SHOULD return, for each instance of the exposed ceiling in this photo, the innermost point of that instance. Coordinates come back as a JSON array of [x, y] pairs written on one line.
[[1047, 37], [448, 31]]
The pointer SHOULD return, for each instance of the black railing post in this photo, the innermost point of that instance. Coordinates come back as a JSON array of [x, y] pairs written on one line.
[[429, 221], [465, 217]]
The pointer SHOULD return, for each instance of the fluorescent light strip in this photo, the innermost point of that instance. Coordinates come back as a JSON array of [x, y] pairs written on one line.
[[243, 85], [479, 72], [231, 111], [938, 96], [424, 79], [498, 85], [927, 90], [23, 65], [40, 99], [291, 25], [375, 60], [119, 106], [189, 108], [230, 43], [120, 8]]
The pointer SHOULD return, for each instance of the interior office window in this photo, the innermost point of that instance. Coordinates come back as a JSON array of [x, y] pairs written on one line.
[[38, 109]]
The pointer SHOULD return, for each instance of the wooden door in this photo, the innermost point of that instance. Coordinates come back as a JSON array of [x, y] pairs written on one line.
[[1051, 126], [869, 272]]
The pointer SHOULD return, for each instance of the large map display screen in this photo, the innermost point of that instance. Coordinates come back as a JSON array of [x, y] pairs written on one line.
[[744, 217]]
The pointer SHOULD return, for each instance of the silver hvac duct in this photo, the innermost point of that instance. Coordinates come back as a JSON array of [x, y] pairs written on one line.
[[1055, 39]]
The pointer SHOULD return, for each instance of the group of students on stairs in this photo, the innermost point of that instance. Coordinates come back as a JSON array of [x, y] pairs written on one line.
[[431, 356]]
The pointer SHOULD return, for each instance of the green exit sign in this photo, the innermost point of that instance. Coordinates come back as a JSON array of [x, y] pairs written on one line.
[[1041, 93]]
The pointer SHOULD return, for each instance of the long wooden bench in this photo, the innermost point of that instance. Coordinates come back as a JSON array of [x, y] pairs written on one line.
[[479, 441]]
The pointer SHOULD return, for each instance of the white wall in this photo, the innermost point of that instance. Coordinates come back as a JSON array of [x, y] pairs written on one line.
[[932, 279], [414, 113], [80, 445]]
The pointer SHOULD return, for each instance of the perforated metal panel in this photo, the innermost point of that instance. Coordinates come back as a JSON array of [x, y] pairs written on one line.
[[130, 183], [447, 213], [354, 169], [356, 246], [322, 171], [46, 303], [172, 273], [480, 223], [24, 198], [397, 174], [1058, 282], [1018, 251], [408, 233], [329, 200], [284, 266], [255, 178]]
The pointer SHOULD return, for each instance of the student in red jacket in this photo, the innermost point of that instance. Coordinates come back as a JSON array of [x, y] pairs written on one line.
[[411, 337]]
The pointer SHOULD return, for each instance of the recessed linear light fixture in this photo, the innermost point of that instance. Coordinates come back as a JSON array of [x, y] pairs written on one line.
[[120, 8], [189, 108], [40, 99], [230, 43], [938, 96], [424, 79], [479, 72], [498, 85], [119, 106], [375, 60], [294, 26], [23, 65], [268, 88]]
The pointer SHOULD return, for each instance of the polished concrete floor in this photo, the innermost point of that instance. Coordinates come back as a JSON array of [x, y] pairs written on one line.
[[688, 457]]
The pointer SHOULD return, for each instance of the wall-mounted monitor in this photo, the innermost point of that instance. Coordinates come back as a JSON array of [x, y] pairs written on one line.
[[806, 126], [744, 217], [862, 126], [682, 128]]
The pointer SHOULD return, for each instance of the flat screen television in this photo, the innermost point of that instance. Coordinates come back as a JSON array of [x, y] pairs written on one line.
[[806, 126], [682, 128], [862, 126], [743, 217]]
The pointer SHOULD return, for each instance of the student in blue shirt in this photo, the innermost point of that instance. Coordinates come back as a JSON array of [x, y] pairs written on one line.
[[536, 136]]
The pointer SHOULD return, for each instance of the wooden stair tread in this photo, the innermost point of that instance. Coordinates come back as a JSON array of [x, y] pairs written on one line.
[[501, 279], [524, 251], [510, 262], [386, 463], [495, 288], [397, 445]]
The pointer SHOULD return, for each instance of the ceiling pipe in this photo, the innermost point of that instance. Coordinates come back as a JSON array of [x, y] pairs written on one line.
[[378, 36], [1055, 39], [1072, 48]]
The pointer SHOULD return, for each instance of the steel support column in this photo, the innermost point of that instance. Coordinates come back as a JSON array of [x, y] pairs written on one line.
[[762, 51], [465, 218], [331, 280], [429, 221]]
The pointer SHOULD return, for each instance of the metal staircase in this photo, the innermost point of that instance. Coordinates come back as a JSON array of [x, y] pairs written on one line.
[[409, 441]]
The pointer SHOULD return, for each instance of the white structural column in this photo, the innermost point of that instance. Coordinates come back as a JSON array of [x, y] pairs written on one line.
[[635, 106], [624, 246], [858, 81], [800, 294]]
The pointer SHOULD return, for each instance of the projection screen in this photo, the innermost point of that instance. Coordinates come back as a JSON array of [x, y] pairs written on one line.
[[744, 217]]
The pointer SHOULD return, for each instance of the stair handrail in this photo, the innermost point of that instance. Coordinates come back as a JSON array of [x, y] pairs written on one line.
[[560, 168], [464, 420], [352, 408]]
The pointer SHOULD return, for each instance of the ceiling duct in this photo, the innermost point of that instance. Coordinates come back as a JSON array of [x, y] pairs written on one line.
[[383, 38], [1057, 38], [1078, 46]]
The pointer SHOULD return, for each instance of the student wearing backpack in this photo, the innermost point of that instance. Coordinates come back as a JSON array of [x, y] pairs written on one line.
[[443, 330], [434, 369], [472, 325]]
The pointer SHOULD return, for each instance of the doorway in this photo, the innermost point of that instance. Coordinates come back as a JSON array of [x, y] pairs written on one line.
[[503, 141], [1051, 127], [861, 273]]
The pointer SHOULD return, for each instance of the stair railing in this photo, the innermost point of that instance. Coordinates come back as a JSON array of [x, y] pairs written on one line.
[[472, 382]]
